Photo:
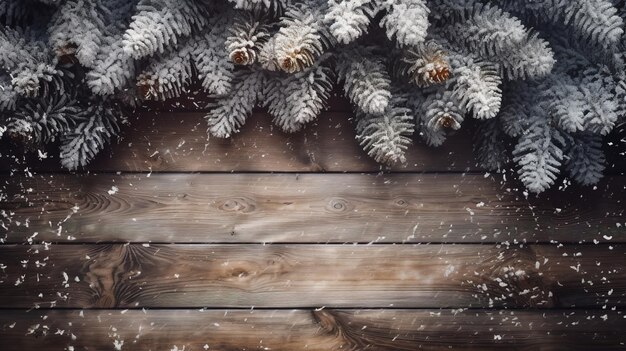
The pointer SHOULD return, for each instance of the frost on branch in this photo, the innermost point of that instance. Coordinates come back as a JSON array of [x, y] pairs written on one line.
[[546, 75], [493, 34], [211, 61], [92, 132], [539, 153], [158, 24], [302, 37], [247, 35], [348, 20], [230, 112], [77, 30], [365, 80], [585, 159], [387, 135], [299, 98], [405, 20], [477, 87]]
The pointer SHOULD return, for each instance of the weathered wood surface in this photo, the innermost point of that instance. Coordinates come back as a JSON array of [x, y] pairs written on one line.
[[304, 276], [316, 330], [305, 208], [178, 142]]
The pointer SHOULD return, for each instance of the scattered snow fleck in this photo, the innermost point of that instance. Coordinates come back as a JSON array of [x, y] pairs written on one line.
[[118, 344], [113, 190]]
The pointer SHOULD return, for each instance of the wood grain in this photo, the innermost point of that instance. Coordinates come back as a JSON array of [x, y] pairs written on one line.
[[178, 142], [300, 276], [306, 208], [323, 330]]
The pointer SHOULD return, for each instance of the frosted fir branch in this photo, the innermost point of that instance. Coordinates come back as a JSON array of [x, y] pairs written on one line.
[[366, 81], [539, 153], [496, 36], [8, 95], [41, 120], [228, 113], [489, 145], [348, 20], [91, 134], [27, 60], [247, 36], [211, 60], [275, 6], [586, 104], [76, 30], [477, 87], [596, 21], [160, 23], [167, 76], [406, 21], [296, 99], [113, 68], [442, 111], [585, 160], [386, 136], [416, 102], [301, 39]]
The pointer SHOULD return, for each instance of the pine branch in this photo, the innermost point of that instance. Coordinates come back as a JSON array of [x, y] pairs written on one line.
[[406, 21], [113, 69], [230, 112], [348, 20], [386, 136], [168, 75], [40, 121], [91, 134], [160, 23], [591, 20], [248, 34], [215, 70], [302, 38], [477, 87], [299, 98], [585, 160], [489, 145], [496, 36], [77, 30], [27, 60], [539, 154], [365, 80]]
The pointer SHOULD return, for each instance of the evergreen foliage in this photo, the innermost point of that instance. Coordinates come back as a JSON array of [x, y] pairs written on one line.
[[544, 79]]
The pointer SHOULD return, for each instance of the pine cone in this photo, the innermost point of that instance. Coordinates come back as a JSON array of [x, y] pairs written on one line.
[[243, 56], [446, 121], [425, 65], [296, 60]]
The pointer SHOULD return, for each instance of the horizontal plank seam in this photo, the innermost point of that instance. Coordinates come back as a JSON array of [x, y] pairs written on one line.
[[311, 243], [308, 308]]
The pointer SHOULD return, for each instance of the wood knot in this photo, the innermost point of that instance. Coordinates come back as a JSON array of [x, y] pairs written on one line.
[[238, 204], [401, 202], [338, 205]]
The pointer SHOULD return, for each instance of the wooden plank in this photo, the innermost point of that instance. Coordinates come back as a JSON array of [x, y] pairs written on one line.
[[323, 330], [303, 276], [178, 142], [305, 208]]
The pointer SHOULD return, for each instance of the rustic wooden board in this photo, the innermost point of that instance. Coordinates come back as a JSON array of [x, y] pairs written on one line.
[[323, 330], [305, 208], [302, 276], [178, 142]]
